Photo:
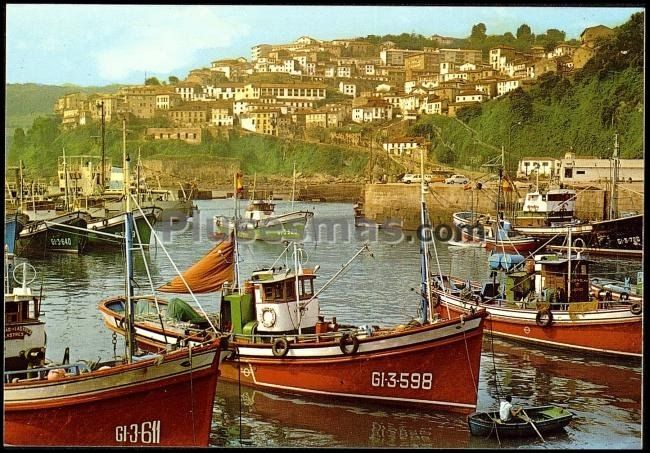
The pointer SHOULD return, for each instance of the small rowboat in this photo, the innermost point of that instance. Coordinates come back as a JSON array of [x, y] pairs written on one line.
[[545, 418]]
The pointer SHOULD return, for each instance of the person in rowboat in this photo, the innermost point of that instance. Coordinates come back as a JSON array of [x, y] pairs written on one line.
[[507, 410]]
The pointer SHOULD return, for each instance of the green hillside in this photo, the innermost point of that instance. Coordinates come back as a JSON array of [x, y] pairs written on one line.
[[580, 113]]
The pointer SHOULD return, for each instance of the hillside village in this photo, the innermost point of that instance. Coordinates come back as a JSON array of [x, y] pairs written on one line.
[[329, 86]]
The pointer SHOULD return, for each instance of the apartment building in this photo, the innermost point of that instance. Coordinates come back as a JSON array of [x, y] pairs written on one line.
[[187, 134], [190, 114]]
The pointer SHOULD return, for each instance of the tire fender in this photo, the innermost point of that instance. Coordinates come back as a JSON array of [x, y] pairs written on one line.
[[280, 347], [345, 340], [544, 318]]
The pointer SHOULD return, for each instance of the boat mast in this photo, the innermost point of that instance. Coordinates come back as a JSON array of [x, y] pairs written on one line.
[[234, 223], [137, 175], [298, 308], [424, 251], [66, 204], [613, 208], [128, 246], [293, 189], [21, 184], [568, 296]]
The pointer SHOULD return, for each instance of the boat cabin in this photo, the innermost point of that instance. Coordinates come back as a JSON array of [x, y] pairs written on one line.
[[259, 209], [543, 209], [274, 302], [24, 344], [552, 276]]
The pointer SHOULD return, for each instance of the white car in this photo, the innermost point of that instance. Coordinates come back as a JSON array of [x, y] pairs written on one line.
[[457, 179], [415, 177]]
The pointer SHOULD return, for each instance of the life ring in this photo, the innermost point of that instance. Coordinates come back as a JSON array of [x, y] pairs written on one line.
[[636, 309], [544, 318], [268, 317], [624, 296], [280, 347], [345, 340]]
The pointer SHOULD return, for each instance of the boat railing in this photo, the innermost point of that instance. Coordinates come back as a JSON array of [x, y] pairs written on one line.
[[302, 338], [42, 372], [558, 306]]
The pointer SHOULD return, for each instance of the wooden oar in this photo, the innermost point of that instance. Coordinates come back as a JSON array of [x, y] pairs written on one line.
[[532, 424]]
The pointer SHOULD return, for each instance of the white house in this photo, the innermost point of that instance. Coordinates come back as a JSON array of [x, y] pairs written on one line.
[[349, 89], [506, 86], [374, 110], [404, 145], [583, 169], [546, 166]]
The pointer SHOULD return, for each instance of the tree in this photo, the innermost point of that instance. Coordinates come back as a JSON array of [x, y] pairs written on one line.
[[478, 32], [524, 33], [173, 80], [521, 105], [19, 138], [152, 81]]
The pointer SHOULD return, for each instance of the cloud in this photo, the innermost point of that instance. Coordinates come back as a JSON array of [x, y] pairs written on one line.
[[166, 39]]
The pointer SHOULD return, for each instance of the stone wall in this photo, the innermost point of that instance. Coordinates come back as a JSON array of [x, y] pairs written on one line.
[[401, 202]]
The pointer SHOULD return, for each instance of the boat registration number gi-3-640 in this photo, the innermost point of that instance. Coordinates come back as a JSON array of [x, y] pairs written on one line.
[[139, 433]]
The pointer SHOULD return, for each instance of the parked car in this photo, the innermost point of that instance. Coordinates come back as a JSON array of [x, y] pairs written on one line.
[[457, 179], [415, 177]]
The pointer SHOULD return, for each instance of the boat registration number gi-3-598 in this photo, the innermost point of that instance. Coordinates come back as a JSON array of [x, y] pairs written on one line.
[[401, 380]]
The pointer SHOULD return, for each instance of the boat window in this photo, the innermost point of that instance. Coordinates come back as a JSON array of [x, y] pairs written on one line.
[[306, 288], [291, 289], [278, 291], [11, 312], [268, 292]]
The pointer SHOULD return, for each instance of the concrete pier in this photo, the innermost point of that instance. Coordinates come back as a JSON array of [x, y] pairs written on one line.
[[400, 202]]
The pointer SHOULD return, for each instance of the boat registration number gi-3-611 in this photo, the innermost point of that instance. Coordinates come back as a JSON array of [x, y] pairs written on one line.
[[401, 380], [139, 433]]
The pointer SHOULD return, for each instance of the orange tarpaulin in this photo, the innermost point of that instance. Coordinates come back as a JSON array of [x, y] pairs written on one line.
[[208, 274]]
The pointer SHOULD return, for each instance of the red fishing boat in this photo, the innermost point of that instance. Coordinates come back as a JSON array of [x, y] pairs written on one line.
[[162, 399], [280, 342], [548, 303]]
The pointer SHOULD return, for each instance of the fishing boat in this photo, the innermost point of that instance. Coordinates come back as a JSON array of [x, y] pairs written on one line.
[[261, 222], [98, 227], [608, 289], [546, 300], [140, 399], [281, 342], [495, 234], [62, 234], [546, 419], [24, 344], [14, 223], [547, 215]]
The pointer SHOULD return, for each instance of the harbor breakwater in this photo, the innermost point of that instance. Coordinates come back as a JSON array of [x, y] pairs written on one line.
[[400, 203]]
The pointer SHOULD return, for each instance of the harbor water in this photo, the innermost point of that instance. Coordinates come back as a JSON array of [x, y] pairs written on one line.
[[378, 288]]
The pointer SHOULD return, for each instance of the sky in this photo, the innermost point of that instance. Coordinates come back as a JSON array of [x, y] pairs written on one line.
[[96, 45]]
